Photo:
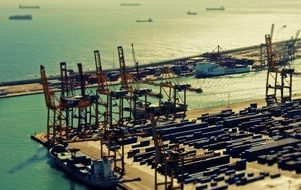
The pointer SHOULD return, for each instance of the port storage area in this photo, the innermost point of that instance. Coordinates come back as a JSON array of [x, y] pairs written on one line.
[[238, 149]]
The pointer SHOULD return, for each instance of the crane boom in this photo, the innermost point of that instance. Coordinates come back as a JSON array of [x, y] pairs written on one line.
[[48, 93], [134, 55], [272, 31], [97, 60], [124, 83], [270, 55]]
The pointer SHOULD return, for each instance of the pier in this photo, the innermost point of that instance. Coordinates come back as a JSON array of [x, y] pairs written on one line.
[[33, 86], [164, 145], [134, 169]]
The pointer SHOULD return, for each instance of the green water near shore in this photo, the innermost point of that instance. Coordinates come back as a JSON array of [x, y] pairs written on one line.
[[24, 163]]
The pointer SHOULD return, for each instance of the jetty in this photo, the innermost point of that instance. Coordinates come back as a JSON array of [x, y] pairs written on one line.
[[255, 52]]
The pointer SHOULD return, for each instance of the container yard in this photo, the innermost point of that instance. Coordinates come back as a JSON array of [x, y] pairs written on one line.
[[153, 144], [141, 96]]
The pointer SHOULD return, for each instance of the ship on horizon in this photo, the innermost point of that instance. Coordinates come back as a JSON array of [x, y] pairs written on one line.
[[191, 13], [29, 6], [20, 17], [222, 8], [148, 20], [129, 4]]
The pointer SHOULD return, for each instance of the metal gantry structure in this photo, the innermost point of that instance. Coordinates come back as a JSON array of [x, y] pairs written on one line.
[[54, 110], [79, 116], [111, 117], [279, 76], [140, 100], [173, 102], [111, 101], [172, 161], [70, 116], [76, 114]]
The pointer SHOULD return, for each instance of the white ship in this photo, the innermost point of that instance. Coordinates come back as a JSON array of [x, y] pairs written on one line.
[[204, 70]]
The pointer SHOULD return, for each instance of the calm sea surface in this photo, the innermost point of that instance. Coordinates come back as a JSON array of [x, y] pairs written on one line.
[[70, 31]]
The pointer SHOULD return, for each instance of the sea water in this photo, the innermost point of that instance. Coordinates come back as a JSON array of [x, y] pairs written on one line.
[[70, 31]]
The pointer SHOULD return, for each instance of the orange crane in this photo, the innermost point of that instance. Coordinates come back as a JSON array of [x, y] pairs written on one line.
[[140, 96], [111, 99], [79, 114], [70, 117], [54, 111], [168, 87], [174, 103], [112, 133]]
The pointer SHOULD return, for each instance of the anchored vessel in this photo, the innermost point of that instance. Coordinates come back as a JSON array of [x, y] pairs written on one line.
[[148, 20], [20, 17], [212, 69], [222, 8], [130, 4], [94, 173], [29, 6], [191, 13]]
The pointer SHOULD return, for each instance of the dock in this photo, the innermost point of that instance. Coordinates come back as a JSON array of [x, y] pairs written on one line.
[[134, 169], [33, 86], [248, 145]]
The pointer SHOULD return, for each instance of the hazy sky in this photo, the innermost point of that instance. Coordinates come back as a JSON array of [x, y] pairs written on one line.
[[40, 2]]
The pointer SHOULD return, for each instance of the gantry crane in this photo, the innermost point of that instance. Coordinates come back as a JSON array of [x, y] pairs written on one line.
[[79, 117], [279, 76], [112, 117], [175, 103], [70, 116], [112, 100], [169, 160], [68, 81], [54, 111], [140, 96], [87, 107], [174, 93]]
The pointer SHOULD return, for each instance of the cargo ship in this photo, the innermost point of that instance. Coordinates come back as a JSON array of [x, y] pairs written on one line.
[[204, 70], [93, 173], [191, 13], [130, 4], [148, 20], [222, 8], [20, 17], [29, 6]]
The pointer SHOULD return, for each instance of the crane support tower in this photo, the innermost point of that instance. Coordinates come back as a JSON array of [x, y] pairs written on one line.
[[70, 116], [113, 105], [54, 110], [171, 161], [140, 96], [279, 76]]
